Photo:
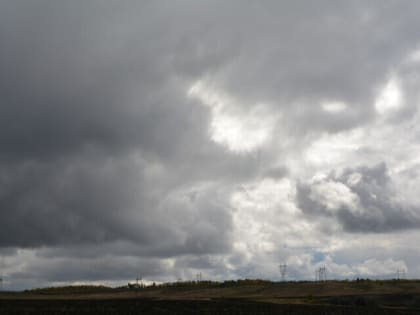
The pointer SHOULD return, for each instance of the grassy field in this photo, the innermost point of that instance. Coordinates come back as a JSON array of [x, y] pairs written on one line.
[[234, 297]]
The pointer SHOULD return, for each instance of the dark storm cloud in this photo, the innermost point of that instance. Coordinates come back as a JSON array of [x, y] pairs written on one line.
[[373, 205], [79, 74], [105, 267], [109, 75], [84, 89], [80, 95], [59, 203], [69, 81], [97, 201]]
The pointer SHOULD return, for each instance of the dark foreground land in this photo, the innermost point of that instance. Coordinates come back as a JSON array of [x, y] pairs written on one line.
[[148, 306], [246, 297]]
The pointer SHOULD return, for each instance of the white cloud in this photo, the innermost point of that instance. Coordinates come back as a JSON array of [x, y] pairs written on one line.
[[236, 127], [260, 210], [372, 267], [330, 150], [334, 195], [334, 107], [414, 56], [390, 98]]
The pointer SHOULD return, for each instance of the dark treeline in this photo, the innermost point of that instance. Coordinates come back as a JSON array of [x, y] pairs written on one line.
[[85, 289]]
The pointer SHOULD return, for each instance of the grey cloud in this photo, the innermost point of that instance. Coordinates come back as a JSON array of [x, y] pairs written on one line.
[[100, 268], [61, 203], [99, 203], [81, 74], [376, 207], [317, 53], [83, 90]]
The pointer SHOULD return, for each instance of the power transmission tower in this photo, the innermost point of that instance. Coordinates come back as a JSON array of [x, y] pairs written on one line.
[[199, 277], [321, 274], [400, 274], [1, 273], [137, 281], [282, 268]]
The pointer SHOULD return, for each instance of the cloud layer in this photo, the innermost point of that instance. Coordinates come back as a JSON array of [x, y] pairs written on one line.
[[223, 138]]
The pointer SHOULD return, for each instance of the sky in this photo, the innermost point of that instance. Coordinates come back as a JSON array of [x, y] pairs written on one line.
[[168, 138]]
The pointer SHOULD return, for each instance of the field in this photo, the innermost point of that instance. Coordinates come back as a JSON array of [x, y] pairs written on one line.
[[233, 297]]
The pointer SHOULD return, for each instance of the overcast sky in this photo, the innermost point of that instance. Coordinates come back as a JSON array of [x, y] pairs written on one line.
[[167, 138]]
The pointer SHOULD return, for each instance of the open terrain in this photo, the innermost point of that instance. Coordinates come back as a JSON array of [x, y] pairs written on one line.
[[232, 297]]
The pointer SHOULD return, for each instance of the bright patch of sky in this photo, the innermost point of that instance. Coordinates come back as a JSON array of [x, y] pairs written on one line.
[[239, 128], [390, 98], [334, 107]]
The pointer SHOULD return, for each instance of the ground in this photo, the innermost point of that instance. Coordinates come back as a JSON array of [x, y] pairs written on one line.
[[232, 297]]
